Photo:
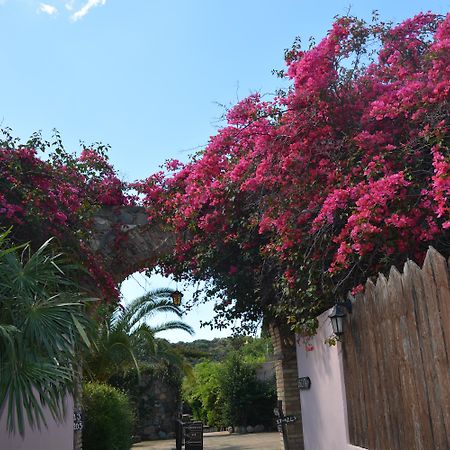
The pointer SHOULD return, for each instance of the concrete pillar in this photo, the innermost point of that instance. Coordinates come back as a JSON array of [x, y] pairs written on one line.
[[285, 355]]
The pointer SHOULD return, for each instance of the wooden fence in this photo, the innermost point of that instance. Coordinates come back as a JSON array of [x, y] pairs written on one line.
[[396, 350]]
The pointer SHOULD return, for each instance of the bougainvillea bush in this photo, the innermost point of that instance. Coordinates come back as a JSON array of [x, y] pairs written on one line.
[[298, 199], [46, 191]]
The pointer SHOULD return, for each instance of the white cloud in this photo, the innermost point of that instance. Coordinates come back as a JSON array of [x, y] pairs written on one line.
[[77, 15], [69, 5], [47, 9]]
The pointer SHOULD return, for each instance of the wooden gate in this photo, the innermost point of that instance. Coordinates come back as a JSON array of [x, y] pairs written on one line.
[[396, 360]]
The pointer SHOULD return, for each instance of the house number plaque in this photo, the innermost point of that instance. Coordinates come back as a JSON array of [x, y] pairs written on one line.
[[304, 383], [77, 421]]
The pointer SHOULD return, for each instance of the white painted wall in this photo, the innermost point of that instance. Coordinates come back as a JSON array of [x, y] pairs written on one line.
[[324, 406], [57, 436]]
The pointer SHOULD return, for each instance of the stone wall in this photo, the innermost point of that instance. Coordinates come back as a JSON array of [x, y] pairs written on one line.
[[160, 406], [266, 371], [156, 399]]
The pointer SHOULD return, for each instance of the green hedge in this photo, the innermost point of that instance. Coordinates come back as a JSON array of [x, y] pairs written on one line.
[[108, 418]]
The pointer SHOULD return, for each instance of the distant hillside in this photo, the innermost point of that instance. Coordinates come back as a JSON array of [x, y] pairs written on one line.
[[259, 349]]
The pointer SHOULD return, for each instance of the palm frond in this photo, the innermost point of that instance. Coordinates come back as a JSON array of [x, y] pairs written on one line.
[[173, 325], [42, 324], [30, 386], [130, 326]]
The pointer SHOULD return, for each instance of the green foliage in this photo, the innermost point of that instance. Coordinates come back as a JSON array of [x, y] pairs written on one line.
[[236, 380], [228, 393], [253, 349], [203, 393], [246, 400], [124, 339], [42, 325], [263, 401], [108, 418]]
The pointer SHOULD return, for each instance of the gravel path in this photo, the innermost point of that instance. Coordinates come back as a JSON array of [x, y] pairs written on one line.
[[223, 441]]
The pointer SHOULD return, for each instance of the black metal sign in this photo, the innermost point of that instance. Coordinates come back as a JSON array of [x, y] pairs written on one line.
[[282, 421], [77, 421], [304, 383], [193, 436], [286, 419]]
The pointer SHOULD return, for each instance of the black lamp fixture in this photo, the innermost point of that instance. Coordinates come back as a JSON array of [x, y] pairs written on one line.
[[177, 296], [338, 315]]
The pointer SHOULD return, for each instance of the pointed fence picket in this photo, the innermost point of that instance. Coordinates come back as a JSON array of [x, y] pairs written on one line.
[[396, 351]]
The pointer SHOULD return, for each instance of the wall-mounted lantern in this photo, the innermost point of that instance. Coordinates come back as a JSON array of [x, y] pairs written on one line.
[[177, 296], [338, 315]]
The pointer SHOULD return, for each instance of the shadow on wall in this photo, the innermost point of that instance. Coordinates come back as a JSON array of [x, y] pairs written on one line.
[[55, 436], [324, 408]]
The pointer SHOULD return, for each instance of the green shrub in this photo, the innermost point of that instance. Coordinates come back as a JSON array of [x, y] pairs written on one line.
[[264, 400], [202, 393], [108, 418], [245, 399], [229, 393]]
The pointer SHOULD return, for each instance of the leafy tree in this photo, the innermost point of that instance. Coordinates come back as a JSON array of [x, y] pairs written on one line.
[[128, 355], [203, 393], [255, 350], [237, 381], [229, 393], [125, 339], [43, 326]]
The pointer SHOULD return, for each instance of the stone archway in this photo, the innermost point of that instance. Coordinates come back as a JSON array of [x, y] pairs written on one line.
[[140, 246]]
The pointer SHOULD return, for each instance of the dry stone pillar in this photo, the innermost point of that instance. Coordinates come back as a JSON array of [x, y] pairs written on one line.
[[285, 355]]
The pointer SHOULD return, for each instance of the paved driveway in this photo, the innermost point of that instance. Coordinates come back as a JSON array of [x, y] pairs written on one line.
[[223, 441]]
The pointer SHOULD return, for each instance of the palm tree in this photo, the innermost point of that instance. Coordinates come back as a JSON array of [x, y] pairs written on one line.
[[42, 324], [125, 339]]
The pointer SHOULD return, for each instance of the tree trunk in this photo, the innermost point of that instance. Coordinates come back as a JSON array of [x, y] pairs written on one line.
[[285, 355]]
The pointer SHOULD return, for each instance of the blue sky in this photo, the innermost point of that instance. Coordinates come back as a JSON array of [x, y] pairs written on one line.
[[146, 76]]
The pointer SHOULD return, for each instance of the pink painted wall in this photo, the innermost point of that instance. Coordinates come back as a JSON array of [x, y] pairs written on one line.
[[58, 436], [324, 408]]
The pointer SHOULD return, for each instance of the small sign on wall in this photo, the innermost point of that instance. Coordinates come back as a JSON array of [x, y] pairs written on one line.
[[304, 383], [286, 419], [77, 421]]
